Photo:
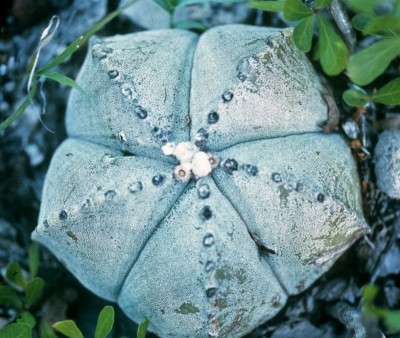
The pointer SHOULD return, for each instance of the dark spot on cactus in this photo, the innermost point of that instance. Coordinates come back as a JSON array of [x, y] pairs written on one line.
[[201, 138], [276, 177], [63, 215], [230, 165], [211, 292], [203, 191], [141, 112], [320, 197], [110, 194], [46, 223], [210, 266], [227, 96], [212, 117], [299, 187], [251, 170], [113, 73], [206, 213], [135, 187], [208, 240], [87, 204], [158, 180]]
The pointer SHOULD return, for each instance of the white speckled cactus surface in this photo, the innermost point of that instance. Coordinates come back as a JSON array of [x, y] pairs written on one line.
[[195, 188]]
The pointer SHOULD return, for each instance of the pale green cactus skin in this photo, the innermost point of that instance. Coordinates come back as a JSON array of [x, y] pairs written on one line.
[[270, 234]]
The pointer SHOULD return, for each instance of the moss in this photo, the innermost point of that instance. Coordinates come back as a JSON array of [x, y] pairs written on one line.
[[72, 235], [187, 308]]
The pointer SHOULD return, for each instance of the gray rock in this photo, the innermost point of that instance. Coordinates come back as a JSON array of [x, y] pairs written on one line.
[[149, 15], [387, 163], [215, 255]]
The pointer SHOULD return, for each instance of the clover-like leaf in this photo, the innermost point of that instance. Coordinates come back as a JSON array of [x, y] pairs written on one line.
[[382, 25], [268, 6], [33, 291], [322, 3], [16, 330], [392, 321], [360, 21], [14, 275], [365, 6], [366, 65], [294, 10], [27, 319], [389, 93], [105, 322], [68, 328], [142, 329], [303, 33], [332, 50], [8, 297], [46, 331], [355, 98]]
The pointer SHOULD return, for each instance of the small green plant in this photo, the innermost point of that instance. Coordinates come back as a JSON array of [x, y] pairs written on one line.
[[369, 63], [331, 50], [22, 293], [46, 70], [390, 318]]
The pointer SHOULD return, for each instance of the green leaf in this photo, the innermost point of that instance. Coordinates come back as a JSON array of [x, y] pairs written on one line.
[[190, 24], [65, 80], [165, 4], [181, 3], [389, 93], [355, 98], [366, 65], [392, 321], [383, 25], [46, 331], [9, 297], [27, 319], [294, 10], [16, 331], [322, 3], [68, 328], [105, 322], [333, 51], [80, 41], [362, 6], [15, 276], [21, 108], [303, 33], [396, 9], [369, 293], [34, 290], [33, 259], [142, 329], [360, 21], [268, 6]]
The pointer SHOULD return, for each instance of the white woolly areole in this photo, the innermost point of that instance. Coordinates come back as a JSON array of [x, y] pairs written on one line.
[[169, 148], [192, 161], [200, 164], [185, 151]]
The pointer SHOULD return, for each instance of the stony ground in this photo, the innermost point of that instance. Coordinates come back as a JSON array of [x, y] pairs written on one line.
[[26, 148]]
